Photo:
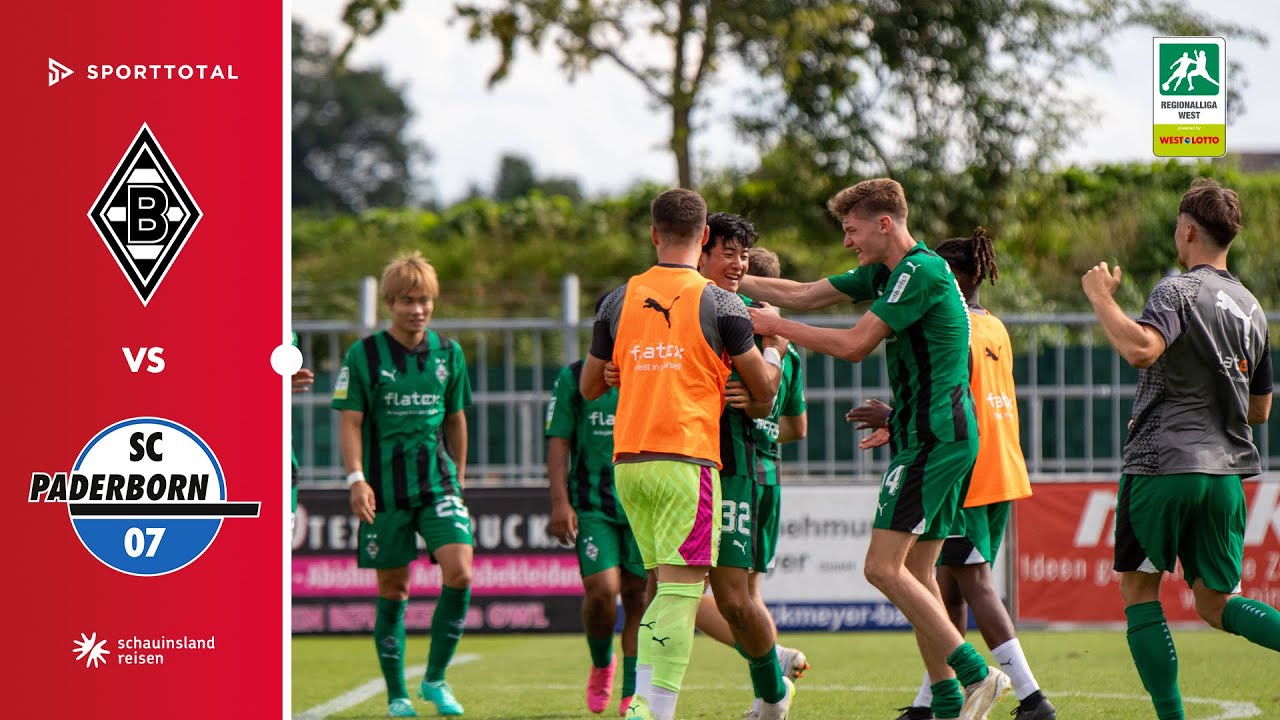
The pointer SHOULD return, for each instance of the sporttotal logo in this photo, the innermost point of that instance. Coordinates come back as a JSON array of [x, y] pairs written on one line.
[[57, 72], [144, 214], [1189, 97]]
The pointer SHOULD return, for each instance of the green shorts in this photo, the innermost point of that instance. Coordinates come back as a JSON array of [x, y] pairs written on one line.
[[737, 522], [923, 488], [976, 536], [671, 506], [1196, 518], [768, 514], [389, 542], [604, 543]]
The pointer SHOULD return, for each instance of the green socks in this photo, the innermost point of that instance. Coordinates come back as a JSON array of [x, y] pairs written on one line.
[[628, 676], [1254, 621], [447, 623], [601, 650], [1153, 653], [766, 676], [388, 641], [948, 699], [666, 632], [969, 666]]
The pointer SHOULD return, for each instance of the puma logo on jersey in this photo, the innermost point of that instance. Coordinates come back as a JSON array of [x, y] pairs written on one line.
[[740, 545], [912, 265], [389, 374], [991, 354], [1228, 303], [661, 641], [654, 305]]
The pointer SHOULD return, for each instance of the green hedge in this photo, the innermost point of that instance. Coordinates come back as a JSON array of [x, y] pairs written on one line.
[[506, 259]]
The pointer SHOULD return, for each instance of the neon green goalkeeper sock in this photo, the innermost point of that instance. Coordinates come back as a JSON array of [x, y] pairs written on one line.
[[1255, 621], [666, 632], [388, 641], [447, 623], [1153, 653]]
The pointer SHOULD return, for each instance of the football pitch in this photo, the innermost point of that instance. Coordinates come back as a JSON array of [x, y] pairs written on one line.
[[1087, 674]]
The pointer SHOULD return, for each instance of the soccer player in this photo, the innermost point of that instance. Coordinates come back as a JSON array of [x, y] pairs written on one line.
[[751, 496], [747, 509], [300, 381], [1203, 350], [585, 513], [669, 330], [919, 312], [401, 393], [999, 477]]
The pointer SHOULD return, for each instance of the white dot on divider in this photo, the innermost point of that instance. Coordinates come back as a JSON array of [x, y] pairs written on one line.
[[286, 360]]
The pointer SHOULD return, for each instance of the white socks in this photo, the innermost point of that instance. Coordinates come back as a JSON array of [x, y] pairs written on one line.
[[1014, 664], [662, 702], [924, 698]]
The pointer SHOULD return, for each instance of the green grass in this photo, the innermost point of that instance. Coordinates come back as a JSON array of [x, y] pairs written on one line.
[[1088, 675]]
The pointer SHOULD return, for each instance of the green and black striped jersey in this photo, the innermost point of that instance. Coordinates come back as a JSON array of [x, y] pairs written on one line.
[[928, 353], [790, 402], [405, 395], [588, 426]]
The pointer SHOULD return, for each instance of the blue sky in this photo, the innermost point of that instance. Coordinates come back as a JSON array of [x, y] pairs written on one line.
[[603, 130]]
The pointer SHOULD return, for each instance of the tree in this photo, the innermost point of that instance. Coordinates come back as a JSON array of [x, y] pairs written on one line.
[[910, 89], [949, 98], [516, 179], [349, 145]]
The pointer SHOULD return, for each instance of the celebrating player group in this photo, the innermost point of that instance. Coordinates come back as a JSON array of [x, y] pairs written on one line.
[[663, 454]]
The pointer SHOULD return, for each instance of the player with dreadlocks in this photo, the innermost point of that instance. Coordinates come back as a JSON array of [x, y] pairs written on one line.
[[999, 477]]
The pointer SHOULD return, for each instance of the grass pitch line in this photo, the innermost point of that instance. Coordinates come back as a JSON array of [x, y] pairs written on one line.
[[370, 689], [1227, 709]]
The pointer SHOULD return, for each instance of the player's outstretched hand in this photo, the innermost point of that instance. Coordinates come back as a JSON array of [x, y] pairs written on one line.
[[764, 319], [303, 380], [878, 437], [564, 524], [612, 376], [362, 501], [870, 415], [1100, 282]]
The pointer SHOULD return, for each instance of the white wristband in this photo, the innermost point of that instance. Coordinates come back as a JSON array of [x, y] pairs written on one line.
[[772, 357], [354, 477]]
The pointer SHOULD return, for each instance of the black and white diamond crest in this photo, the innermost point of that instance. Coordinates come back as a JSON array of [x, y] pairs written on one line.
[[144, 214]]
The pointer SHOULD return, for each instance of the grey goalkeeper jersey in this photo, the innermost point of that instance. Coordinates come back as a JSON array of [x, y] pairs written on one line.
[[1191, 407]]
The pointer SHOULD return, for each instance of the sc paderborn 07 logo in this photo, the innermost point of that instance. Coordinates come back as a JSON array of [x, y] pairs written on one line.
[[144, 214], [146, 496]]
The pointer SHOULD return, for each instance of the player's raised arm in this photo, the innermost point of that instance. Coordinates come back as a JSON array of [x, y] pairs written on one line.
[[1139, 343], [791, 294], [851, 344]]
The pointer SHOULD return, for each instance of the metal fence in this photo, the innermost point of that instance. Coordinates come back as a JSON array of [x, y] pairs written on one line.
[[1074, 397]]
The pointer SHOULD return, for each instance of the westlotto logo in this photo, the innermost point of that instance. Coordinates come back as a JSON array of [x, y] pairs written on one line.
[[57, 71], [1189, 140]]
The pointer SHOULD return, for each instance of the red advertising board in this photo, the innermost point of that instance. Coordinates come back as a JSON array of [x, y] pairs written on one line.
[[1065, 544]]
